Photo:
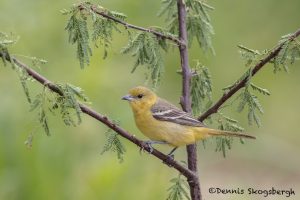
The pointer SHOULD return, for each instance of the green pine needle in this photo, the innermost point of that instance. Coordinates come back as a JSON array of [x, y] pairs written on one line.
[[117, 15], [294, 52], [68, 103], [78, 34], [23, 75], [102, 29], [289, 53], [201, 89], [6, 41], [251, 101], [146, 49], [44, 121], [249, 55], [28, 142], [280, 61], [260, 90], [223, 144], [198, 21], [178, 190], [199, 24], [114, 144], [40, 105], [102, 32], [36, 62], [169, 9]]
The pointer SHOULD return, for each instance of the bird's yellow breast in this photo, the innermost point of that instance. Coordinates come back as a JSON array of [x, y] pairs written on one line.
[[172, 133], [170, 124]]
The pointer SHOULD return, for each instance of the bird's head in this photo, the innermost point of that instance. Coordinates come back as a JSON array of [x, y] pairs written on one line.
[[140, 98]]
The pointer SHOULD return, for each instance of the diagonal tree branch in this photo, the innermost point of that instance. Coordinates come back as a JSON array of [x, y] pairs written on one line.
[[105, 120], [185, 100], [94, 9], [240, 84]]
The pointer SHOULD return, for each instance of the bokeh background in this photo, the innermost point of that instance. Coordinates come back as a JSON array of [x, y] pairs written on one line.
[[68, 164]]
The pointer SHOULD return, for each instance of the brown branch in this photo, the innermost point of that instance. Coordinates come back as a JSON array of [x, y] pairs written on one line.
[[185, 100], [127, 25], [103, 119], [240, 84]]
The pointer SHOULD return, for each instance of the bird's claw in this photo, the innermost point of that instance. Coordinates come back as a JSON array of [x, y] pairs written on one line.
[[149, 144], [170, 157]]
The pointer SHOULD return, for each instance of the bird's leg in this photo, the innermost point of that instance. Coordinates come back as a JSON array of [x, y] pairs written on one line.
[[171, 154], [150, 142]]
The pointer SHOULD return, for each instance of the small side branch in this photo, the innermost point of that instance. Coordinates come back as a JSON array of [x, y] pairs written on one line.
[[127, 25], [105, 120], [214, 108]]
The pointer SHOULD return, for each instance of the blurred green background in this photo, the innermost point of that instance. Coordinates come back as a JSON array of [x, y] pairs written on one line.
[[68, 165]]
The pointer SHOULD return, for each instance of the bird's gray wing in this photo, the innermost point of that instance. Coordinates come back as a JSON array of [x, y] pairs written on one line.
[[164, 111]]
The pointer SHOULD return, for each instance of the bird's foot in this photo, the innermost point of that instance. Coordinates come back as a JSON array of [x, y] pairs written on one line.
[[170, 156], [168, 159], [149, 144]]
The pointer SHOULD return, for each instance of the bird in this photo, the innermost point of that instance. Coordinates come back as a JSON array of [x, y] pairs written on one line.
[[164, 123]]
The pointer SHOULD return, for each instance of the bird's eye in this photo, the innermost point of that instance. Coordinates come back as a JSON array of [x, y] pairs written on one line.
[[140, 96]]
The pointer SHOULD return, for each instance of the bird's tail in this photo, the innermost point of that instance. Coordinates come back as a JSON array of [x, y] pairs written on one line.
[[202, 133]]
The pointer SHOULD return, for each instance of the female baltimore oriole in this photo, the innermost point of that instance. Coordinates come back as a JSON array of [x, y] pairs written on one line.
[[164, 123]]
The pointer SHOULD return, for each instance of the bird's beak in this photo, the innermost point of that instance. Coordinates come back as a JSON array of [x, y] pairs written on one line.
[[127, 97]]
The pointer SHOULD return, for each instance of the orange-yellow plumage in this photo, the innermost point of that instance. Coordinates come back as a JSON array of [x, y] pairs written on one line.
[[161, 121]]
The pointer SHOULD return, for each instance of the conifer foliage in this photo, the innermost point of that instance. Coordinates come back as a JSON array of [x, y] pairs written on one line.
[[46, 102], [178, 189], [146, 45], [198, 21], [201, 88], [146, 48], [114, 144]]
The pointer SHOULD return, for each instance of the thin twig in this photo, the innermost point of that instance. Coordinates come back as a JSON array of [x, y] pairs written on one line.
[[185, 100], [105, 120], [127, 25], [240, 84]]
